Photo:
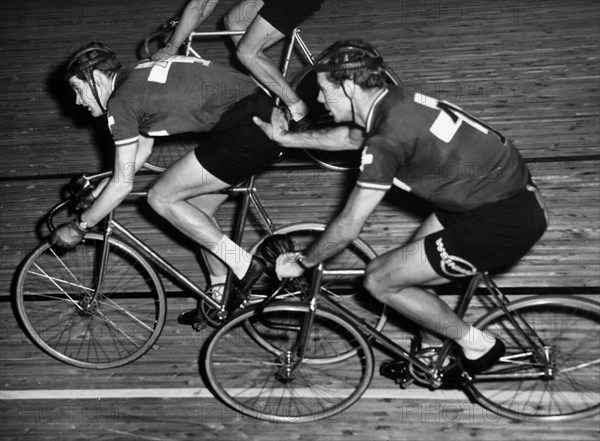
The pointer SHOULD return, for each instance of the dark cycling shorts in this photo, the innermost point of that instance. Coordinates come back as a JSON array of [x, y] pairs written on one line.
[[236, 148], [285, 15], [485, 238]]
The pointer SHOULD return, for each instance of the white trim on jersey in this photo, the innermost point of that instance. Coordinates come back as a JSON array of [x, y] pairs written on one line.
[[398, 183], [383, 93], [372, 186], [158, 133], [127, 141]]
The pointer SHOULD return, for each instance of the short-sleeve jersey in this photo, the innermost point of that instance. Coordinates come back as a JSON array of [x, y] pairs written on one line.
[[438, 152], [172, 96]]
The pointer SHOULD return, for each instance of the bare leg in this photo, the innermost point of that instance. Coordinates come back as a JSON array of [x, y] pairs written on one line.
[[260, 35], [184, 196], [399, 279], [429, 226], [241, 15]]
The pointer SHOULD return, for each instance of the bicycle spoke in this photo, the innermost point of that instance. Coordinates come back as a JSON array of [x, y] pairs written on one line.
[[53, 281], [273, 385], [345, 288], [525, 385], [83, 327]]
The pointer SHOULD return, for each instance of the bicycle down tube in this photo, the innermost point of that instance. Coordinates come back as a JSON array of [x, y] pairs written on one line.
[[544, 357], [248, 198]]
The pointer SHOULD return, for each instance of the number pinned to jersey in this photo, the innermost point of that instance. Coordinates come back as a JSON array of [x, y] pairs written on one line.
[[365, 159], [160, 68], [444, 127], [451, 118]]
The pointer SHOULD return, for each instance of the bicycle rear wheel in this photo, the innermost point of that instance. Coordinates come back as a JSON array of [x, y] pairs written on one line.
[[277, 386], [517, 387], [345, 289], [56, 304], [306, 86]]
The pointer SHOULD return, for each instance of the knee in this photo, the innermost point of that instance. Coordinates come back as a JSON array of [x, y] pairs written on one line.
[[245, 53], [374, 283], [379, 284], [230, 21], [157, 200]]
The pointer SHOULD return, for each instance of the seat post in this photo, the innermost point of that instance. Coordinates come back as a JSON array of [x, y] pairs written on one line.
[[465, 299]]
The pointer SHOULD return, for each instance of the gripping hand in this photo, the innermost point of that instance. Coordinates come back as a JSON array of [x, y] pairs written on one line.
[[67, 235], [165, 52]]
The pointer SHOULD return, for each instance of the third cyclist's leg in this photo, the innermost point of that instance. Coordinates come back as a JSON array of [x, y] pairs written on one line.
[[271, 23]]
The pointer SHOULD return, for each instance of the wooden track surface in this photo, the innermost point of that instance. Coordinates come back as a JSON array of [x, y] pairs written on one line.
[[529, 67]]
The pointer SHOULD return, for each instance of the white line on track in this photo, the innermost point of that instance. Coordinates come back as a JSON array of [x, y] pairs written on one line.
[[87, 394]]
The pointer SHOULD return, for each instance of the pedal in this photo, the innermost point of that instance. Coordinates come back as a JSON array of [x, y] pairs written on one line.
[[396, 370]]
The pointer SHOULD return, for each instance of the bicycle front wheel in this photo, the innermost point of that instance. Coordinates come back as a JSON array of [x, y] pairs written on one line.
[[520, 386], [281, 386], [306, 87], [59, 307]]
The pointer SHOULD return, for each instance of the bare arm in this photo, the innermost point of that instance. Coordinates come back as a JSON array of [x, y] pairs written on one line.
[[339, 233], [128, 160], [193, 15], [331, 138], [346, 226]]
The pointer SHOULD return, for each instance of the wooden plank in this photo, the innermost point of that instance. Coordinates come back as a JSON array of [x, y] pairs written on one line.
[[172, 363], [567, 255], [530, 68], [534, 76]]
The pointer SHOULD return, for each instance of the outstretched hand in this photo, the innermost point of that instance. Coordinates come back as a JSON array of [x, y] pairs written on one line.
[[164, 53], [277, 129]]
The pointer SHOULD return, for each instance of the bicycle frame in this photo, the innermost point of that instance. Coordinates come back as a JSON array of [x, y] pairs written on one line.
[[248, 191], [294, 40], [433, 372]]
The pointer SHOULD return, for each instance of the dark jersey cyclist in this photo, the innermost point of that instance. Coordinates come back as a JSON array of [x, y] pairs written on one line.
[[172, 96], [167, 97], [487, 212]]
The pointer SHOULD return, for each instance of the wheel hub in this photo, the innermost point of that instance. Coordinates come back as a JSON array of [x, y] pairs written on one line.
[[88, 305]]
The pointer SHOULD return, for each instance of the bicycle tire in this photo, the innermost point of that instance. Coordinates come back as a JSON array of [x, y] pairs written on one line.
[[306, 87], [346, 290], [570, 327], [53, 302], [249, 379]]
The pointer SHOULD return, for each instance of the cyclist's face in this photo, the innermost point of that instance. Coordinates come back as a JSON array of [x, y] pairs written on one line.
[[85, 97], [334, 99]]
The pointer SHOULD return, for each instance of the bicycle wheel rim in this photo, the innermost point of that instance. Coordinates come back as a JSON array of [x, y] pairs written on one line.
[[569, 327], [244, 375], [54, 303]]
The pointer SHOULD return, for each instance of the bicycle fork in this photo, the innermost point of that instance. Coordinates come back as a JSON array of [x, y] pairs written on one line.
[[89, 301], [290, 360]]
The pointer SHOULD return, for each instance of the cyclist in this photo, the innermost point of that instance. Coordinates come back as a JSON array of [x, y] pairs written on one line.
[[176, 95], [266, 22], [487, 211]]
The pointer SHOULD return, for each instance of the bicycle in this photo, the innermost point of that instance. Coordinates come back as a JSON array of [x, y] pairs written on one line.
[[304, 83], [102, 304], [551, 370]]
